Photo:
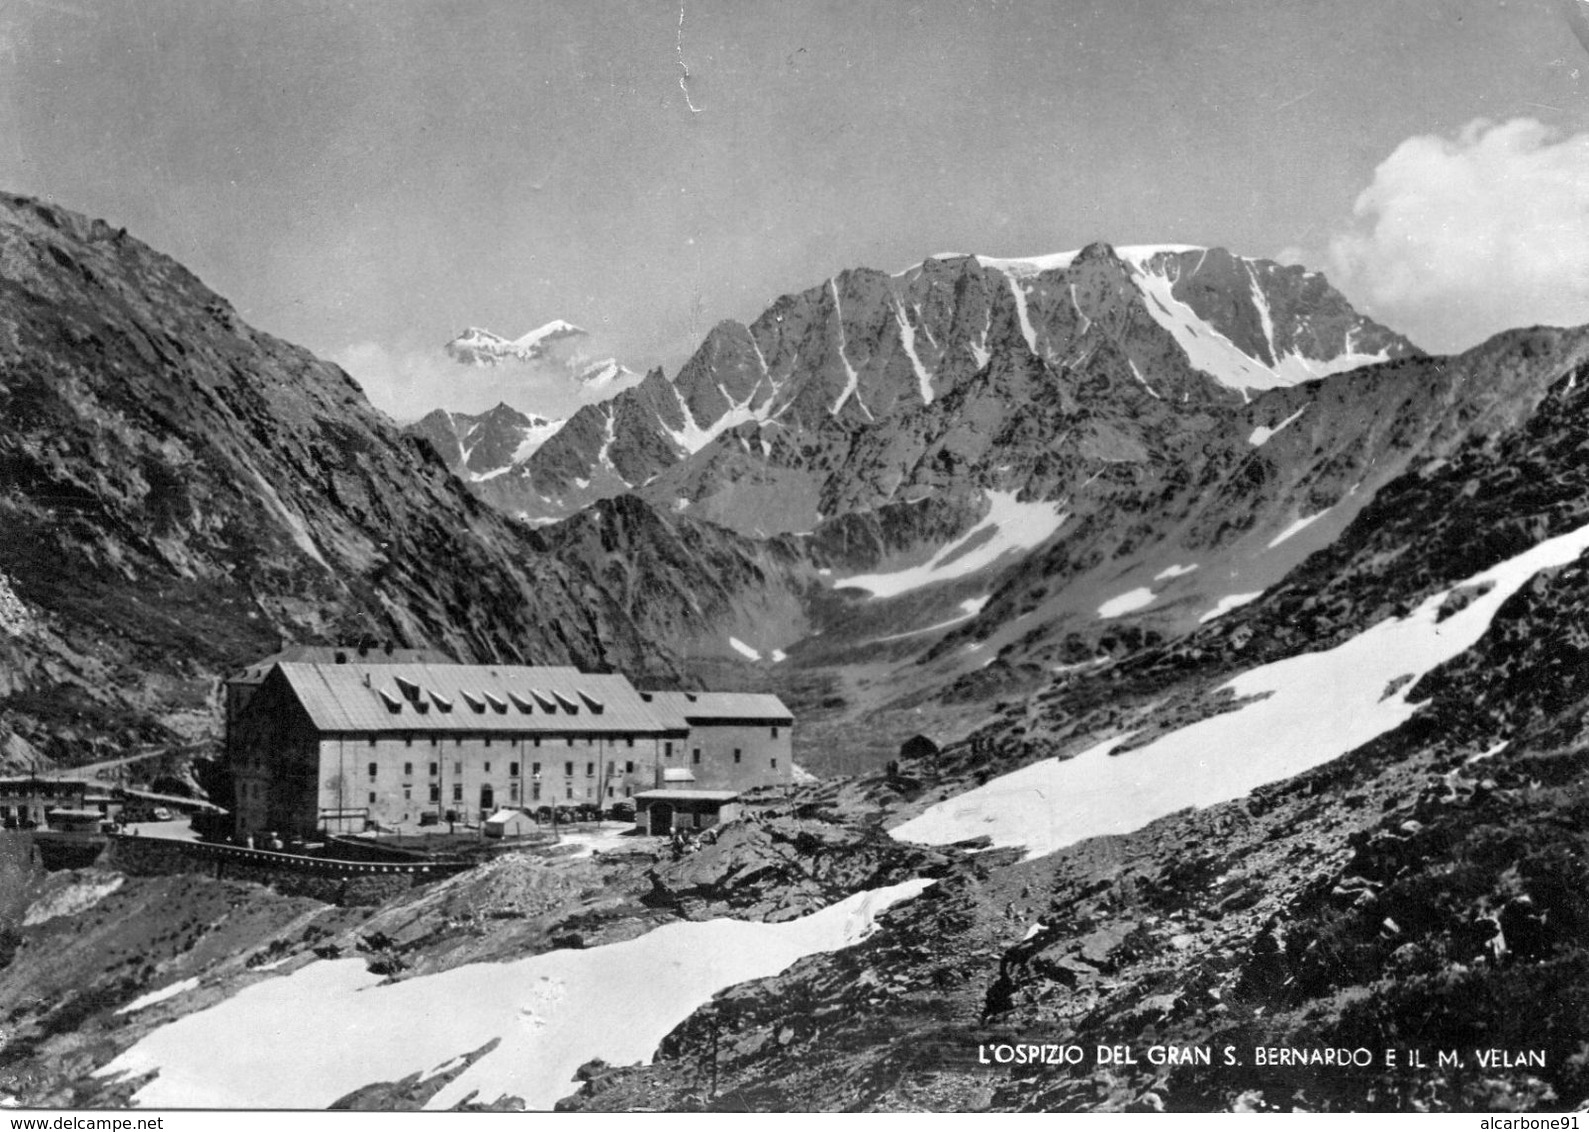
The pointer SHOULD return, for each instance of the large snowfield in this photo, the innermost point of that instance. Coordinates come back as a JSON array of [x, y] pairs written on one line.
[[1316, 707], [1009, 525], [306, 1039]]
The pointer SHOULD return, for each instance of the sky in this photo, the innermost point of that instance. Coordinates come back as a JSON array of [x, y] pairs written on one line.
[[370, 178]]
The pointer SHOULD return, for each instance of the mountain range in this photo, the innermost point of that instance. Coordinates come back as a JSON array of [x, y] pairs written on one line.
[[864, 348]]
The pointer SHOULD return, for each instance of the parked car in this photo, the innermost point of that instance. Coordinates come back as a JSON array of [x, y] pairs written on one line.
[[622, 810]]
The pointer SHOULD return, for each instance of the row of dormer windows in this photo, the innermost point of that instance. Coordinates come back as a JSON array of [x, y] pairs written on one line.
[[374, 769], [569, 740]]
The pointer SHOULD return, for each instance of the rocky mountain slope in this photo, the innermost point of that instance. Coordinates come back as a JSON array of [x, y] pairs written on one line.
[[1416, 902], [182, 492]]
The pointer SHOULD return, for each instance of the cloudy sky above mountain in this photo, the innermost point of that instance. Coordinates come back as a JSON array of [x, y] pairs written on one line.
[[370, 178]]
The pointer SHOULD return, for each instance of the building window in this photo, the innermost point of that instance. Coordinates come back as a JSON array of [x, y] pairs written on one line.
[[488, 740], [570, 791], [537, 740], [535, 791], [432, 740], [457, 768], [590, 769], [695, 756], [435, 792], [408, 770], [736, 754], [628, 768], [488, 765], [570, 740], [535, 768], [628, 740], [408, 740], [435, 769], [774, 764], [568, 770], [513, 792], [775, 733], [667, 749], [372, 797], [408, 793], [373, 768], [372, 740], [612, 767], [610, 792], [457, 791]]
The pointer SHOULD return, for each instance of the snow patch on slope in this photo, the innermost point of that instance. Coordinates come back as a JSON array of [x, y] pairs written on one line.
[[1135, 599], [1227, 603], [1262, 434], [160, 995], [692, 437], [1297, 527], [907, 339], [1303, 711], [743, 649], [1014, 526], [552, 1012], [534, 437]]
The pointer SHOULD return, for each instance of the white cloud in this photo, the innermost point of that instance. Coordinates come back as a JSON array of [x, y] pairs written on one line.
[[1457, 239], [407, 383]]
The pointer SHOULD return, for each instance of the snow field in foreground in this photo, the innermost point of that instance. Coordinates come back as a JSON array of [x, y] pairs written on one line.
[[1013, 526], [1316, 707], [304, 1040]]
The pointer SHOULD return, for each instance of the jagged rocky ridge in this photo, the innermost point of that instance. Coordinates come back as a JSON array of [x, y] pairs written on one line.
[[859, 353]]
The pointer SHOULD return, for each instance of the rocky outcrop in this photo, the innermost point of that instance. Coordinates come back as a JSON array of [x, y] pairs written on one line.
[[773, 869]]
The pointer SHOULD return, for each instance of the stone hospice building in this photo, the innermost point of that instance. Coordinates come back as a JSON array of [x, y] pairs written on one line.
[[335, 740]]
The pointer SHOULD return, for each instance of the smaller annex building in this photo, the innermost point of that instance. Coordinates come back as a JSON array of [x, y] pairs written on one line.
[[660, 812], [336, 744], [737, 740]]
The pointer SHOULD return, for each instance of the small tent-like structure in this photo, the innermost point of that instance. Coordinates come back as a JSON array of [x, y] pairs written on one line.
[[509, 823]]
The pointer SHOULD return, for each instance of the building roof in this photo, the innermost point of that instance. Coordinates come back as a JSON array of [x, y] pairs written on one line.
[[359, 697], [337, 654], [723, 707], [687, 795]]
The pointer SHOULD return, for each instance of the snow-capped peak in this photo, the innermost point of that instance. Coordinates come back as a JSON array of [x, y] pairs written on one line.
[[480, 347]]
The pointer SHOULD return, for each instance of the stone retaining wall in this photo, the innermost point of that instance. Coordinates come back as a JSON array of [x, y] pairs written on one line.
[[335, 882]]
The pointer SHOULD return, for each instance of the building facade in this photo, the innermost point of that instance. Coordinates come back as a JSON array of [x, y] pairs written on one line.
[[335, 746], [738, 740]]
